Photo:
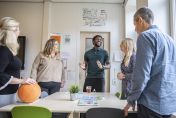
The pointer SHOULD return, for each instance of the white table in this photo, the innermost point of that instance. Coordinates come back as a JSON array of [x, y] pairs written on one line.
[[60, 102], [108, 100], [52, 102]]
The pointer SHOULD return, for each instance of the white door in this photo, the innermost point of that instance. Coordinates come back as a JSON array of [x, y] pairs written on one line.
[[86, 44]]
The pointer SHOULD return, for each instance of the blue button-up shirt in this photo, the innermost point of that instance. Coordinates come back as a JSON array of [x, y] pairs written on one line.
[[154, 82]]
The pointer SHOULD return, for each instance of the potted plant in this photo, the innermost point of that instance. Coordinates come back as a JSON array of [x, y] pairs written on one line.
[[118, 95], [74, 89]]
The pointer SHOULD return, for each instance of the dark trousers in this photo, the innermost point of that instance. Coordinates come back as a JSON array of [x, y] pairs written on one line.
[[50, 87], [5, 115], [144, 112], [98, 84], [124, 90], [60, 115]]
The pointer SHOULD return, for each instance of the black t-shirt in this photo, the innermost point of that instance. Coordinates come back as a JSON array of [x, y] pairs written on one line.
[[91, 57], [9, 66]]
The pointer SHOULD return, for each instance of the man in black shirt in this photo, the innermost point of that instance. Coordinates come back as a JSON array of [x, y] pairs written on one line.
[[96, 61]]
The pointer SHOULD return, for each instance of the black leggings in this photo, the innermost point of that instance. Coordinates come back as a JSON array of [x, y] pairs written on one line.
[[50, 87]]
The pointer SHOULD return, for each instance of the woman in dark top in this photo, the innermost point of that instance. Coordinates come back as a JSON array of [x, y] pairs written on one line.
[[9, 63], [127, 66]]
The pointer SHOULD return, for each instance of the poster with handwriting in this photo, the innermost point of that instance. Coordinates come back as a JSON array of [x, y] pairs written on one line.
[[94, 17]]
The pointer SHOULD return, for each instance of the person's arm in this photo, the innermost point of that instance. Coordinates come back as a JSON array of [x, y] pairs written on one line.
[[144, 59], [131, 68], [107, 66], [120, 76], [107, 63], [22, 81], [35, 66], [84, 65], [13, 80], [63, 75]]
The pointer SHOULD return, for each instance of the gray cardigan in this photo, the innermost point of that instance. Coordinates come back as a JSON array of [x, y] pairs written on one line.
[[46, 69]]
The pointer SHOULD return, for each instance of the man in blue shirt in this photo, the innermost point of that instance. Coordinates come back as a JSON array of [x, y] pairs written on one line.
[[96, 60], [154, 82]]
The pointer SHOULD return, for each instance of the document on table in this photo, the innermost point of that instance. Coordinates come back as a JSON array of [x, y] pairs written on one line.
[[87, 100]]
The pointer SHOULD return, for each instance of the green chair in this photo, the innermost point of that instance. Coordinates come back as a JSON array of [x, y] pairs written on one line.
[[31, 112]]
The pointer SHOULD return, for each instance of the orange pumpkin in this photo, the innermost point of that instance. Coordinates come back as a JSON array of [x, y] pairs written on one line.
[[29, 92]]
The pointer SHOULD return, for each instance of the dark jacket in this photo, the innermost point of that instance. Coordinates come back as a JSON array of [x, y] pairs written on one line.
[[128, 71], [9, 66]]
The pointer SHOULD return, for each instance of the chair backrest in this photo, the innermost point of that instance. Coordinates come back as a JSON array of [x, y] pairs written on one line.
[[104, 113], [30, 112]]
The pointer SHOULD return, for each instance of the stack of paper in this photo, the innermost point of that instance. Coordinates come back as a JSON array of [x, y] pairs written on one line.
[[86, 100]]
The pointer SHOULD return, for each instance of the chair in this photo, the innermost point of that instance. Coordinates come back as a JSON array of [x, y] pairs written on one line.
[[30, 112], [104, 113]]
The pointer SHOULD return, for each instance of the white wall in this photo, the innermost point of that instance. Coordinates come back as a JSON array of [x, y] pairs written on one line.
[[161, 14], [160, 9], [173, 18], [66, 18], [30, 17], [130, 9]]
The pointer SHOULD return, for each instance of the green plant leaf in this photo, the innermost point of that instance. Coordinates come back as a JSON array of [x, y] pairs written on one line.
[[74, 89], [118, 94]]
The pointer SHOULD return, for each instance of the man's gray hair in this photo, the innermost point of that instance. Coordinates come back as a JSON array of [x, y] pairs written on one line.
[[146, 14]]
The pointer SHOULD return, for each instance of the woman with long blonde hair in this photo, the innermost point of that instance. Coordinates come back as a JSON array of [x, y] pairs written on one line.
[[10, 64], [127, 66]]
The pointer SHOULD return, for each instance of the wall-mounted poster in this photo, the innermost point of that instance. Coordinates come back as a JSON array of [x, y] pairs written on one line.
[[94, 17], [58, 38]]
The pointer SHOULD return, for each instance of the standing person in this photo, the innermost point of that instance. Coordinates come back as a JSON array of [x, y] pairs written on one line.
[[154, 84], [10, 64], [96, 61], [127, 66], [48, 69]]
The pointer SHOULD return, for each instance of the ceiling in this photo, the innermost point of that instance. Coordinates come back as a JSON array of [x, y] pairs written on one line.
[[72, 1]]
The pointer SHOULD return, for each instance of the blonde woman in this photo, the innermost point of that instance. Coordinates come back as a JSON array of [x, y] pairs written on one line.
[[48, 69], [10, 64], [127, 66]]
